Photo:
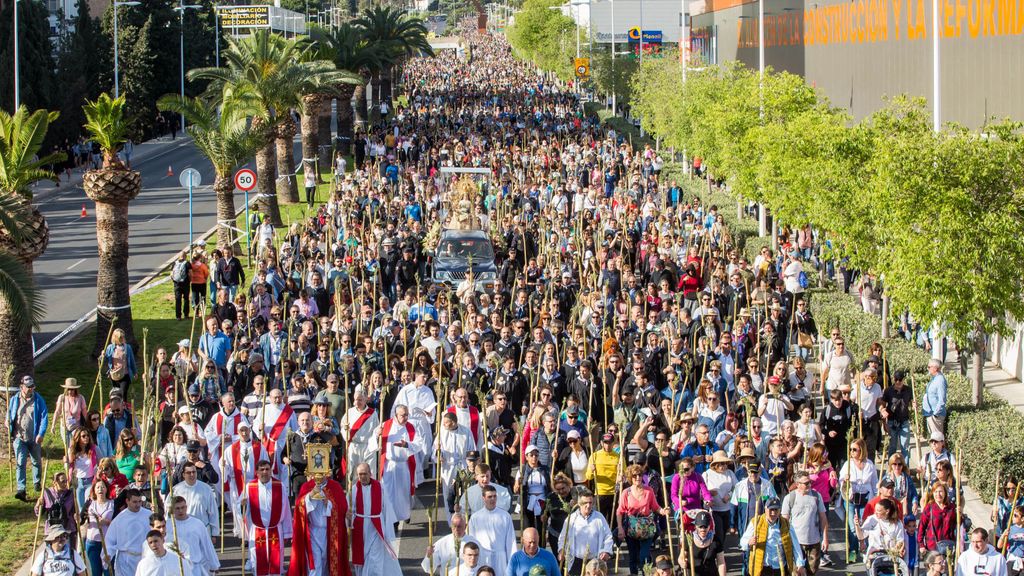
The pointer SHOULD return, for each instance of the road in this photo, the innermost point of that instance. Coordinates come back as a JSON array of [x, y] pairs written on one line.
[[158, 226]]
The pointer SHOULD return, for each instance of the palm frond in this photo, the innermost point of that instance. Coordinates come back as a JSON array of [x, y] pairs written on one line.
[[19, 289]]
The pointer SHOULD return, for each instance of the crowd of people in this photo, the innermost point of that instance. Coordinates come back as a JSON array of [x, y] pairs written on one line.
[[626, 392]]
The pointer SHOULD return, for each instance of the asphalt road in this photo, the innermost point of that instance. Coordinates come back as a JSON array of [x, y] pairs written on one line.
[[158, 224]]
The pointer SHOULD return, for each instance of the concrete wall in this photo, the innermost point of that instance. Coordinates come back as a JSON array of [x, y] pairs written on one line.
[[858, 52]]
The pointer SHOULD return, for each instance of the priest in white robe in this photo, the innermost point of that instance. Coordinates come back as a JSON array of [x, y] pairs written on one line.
[[191, 538], [372, 528], [402, 443], [475, 494], [202, 503], [441, 555], [268, 520], [222, 431], [159, 560], [240, 459], [126, 535], [492, 527], [452, 445], [359, 426], [468, 561], [270, 425], [422, 406], [467, 414]]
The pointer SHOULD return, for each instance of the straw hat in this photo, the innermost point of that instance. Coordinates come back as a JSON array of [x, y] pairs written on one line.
[[720, 457], [70, 384]]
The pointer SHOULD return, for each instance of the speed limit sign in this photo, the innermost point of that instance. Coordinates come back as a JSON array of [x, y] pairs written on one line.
[[245, 179]]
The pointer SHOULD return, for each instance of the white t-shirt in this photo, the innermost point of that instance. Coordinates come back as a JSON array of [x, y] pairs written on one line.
[[67, 562], [791, 276], [723, 485]]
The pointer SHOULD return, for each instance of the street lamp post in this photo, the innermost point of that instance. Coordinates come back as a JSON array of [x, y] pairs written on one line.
[[117, 76], [17, 67], [181, 49]]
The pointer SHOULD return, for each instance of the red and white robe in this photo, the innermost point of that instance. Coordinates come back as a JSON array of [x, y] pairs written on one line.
[[218, 426], [470, 418], [240, 462], [361, 439], [271, 425], [372, 532], [269, 522], [398, 466]]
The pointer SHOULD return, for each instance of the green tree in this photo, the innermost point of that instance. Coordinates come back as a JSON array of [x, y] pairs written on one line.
[[545, 37], [395, 36], [80, 66], [349, 49], [35, 55], [614, 77], [24, 233]]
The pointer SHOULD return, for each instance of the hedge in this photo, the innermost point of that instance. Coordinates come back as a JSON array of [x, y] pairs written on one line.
[[986, 436]]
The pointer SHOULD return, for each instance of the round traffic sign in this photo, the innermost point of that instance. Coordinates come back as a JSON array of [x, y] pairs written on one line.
[[245, 179], [196, 178]]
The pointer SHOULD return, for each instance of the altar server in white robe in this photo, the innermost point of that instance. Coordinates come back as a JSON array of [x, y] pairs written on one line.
[[442, 552], [201, 501], [402, 443], [422, 405], [492, 527], [161, 561], [454, 441], [126, 535], [191, 539], [270, 425]]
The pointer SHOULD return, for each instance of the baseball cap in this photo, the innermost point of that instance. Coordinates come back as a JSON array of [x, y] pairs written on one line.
[[472, 455], [573, 434], [572, 410], [773, 504], [183, 343], [702, 520], [937, 437], [192, 446], [888, 483], [531, 449], [28, 381]]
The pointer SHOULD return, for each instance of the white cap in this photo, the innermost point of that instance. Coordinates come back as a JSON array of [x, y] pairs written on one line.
[[938, 437], [531, 449]]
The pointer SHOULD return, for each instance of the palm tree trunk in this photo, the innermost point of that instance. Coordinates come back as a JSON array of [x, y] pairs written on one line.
[[360, 109], [310, 126], [15, 345], [287, 189], [266, 170], [323, 126], [346, 129], [113, 303], [224, 187], [112, 190], [375, 96], [386, 85]]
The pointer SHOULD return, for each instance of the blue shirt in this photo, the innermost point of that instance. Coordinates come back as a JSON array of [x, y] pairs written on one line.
[[520, 564], [217, 347], [773, 545], [935, 397]]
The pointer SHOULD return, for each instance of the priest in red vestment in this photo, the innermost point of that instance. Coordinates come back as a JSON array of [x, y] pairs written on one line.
[[319, 534]]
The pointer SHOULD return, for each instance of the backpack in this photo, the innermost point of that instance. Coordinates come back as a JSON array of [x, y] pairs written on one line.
[[56, 513], [802, 279], [179, 272]]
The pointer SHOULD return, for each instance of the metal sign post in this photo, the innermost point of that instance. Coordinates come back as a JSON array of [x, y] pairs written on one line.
[[245, 180], [190, 178]]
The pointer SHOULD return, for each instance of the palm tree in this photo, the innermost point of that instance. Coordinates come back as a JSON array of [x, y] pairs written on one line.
[[396, 36], [348, 48], [314, 103], [269, 73], [23, 232], [111, 187], [221, 132]]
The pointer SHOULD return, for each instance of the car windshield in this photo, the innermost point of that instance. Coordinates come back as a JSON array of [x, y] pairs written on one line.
[[475, 248]]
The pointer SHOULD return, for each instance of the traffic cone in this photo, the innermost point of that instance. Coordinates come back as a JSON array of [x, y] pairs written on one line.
[[84, 213], [170, 172]]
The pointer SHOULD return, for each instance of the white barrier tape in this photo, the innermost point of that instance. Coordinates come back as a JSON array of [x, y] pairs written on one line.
[[113, 308], [226, 224]]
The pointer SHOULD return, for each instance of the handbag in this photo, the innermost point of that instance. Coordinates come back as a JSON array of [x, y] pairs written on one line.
[[641, 527], [804, 340]]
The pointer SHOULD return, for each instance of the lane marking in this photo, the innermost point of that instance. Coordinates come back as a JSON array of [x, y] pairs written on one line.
[[154, 218], [183, 201], [76, 263]]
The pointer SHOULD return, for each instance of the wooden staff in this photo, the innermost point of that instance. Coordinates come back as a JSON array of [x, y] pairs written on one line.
[[99, 366], [10, 437], [177, 547], [39, 518], [959, 504], [1013, 506], [668, 505]]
